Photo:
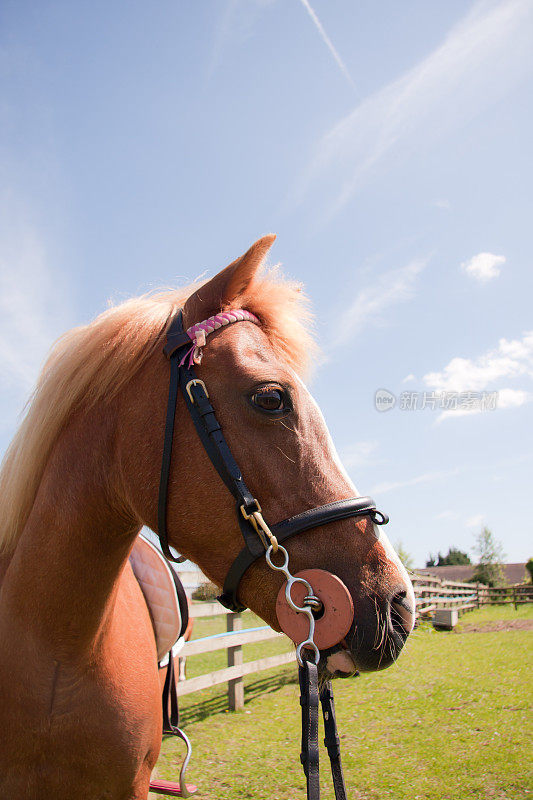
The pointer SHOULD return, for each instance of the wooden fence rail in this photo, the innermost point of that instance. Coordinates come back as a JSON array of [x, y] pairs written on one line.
[[232, 641], [430, 593]]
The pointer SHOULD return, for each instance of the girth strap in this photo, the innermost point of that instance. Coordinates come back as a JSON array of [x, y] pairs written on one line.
[[171, 714]]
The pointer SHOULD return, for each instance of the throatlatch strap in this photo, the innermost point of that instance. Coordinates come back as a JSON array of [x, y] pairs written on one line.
[[165, 462]]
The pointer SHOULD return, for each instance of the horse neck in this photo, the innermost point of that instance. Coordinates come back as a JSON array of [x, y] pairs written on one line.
[[63, 578]]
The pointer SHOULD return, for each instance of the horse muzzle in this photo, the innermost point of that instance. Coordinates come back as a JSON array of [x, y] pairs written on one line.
[[363, 636]]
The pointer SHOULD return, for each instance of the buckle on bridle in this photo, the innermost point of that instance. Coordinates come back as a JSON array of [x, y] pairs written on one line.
[[196, 382], [256, 519]]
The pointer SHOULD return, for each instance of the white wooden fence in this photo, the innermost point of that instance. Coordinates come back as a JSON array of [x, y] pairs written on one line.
[[430, 592], [232, 641]]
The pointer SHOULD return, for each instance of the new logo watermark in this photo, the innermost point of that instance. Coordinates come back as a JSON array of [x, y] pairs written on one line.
[[384, 400]]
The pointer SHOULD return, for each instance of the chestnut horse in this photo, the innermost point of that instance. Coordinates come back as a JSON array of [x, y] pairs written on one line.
[[80, 713]]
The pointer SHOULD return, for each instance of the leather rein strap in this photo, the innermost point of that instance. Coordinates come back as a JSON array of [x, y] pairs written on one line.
[[208, 428], [309, 756]]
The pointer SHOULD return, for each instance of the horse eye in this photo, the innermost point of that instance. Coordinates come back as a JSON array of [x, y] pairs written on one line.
[[269, 399]]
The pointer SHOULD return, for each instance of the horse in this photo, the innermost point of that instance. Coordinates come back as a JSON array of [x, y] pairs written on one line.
[[80, 710]]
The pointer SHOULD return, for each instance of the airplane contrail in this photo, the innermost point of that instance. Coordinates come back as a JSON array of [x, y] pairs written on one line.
[[327, 41]]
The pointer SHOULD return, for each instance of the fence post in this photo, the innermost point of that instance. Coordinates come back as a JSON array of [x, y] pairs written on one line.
[[236, 685]]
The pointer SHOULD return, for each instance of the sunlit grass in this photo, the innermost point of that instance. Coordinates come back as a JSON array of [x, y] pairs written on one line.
[[450, 721]]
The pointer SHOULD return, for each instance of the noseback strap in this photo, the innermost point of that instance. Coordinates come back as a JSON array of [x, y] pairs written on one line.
[[314, 518]]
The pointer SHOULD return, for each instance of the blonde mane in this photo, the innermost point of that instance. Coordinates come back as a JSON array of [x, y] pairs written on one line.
[[92, 363]]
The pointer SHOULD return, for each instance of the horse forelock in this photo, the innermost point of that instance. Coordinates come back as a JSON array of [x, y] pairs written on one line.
[[92, 363]]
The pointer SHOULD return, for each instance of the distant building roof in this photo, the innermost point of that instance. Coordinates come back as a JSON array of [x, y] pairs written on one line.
[[514, 573]]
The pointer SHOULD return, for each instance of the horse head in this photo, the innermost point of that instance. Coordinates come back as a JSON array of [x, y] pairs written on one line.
[[280, 441]]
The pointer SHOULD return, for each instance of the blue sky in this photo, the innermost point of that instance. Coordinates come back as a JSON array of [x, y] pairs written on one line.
[[389, 147]]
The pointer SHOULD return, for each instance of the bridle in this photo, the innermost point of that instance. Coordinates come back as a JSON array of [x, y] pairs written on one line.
[[260, 539], [257, 535]]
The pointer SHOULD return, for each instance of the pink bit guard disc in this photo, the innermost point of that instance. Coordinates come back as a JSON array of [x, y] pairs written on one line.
[[337, 617]]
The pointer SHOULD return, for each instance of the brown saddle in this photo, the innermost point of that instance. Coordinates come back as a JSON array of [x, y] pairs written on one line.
[[164, 595], [169, 611]]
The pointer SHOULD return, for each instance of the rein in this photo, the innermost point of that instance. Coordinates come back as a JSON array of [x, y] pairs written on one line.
[[309, 756], [183, 349]]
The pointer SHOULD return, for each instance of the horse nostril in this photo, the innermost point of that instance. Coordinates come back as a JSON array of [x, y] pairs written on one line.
[[401, 614]]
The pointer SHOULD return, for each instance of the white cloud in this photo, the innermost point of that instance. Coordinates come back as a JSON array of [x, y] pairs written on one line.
[[235, 25], [480, 59], [426, 477], [475, 521], [409, 378], [512, 398], [510, 359], [34, 307], [505, 398], [238, 21], [483, 267], [357, 454], [445, 205], [327, 41], [451, 515], [392, 287], [438, 475]]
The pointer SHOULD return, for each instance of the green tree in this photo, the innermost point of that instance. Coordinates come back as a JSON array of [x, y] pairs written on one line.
[[529, 569], [490, 557], [405, 557], [454, 556], [206, 591]]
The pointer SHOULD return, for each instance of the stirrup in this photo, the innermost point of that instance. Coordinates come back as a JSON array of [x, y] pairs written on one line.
[[187, 789], [169, 787]]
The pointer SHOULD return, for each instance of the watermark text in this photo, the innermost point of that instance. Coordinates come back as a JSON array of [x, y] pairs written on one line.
[[411, 400]]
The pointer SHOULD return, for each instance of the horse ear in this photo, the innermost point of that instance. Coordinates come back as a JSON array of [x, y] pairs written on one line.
[[222, 290]]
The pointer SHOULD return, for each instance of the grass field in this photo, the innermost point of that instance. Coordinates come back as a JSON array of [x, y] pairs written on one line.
[[450, 721]]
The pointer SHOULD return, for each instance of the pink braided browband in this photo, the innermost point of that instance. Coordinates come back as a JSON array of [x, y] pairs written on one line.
[[199, 332]]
